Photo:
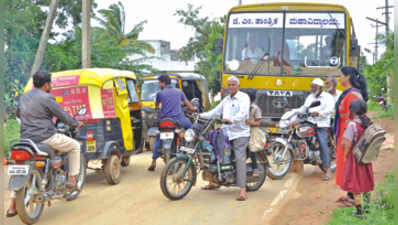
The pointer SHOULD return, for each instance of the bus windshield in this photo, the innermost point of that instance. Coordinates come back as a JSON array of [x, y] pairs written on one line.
[[294, 43]]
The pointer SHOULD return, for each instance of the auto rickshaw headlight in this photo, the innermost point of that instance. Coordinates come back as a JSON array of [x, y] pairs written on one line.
[[189, 135]]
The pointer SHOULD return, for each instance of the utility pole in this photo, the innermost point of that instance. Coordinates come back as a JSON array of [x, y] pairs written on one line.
[[376, 43], [240, 2], [386, 13], [86, 51]]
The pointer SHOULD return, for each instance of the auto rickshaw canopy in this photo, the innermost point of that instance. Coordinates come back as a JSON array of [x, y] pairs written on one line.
[[201, 85], [92, 77]]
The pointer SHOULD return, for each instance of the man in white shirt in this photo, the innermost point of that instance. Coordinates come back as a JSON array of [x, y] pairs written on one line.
[[331, 88], [321, 116], [234, 110]]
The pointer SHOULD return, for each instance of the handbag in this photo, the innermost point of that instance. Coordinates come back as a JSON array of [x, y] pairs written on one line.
[[257, 139]]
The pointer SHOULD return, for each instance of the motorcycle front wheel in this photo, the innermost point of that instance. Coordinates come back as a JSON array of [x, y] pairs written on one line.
[[28, 209], [279, 165], [173, 185]]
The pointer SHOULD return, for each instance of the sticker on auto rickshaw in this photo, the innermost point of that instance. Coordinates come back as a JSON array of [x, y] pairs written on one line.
[[108, 104], [74, 101], [64, 81]]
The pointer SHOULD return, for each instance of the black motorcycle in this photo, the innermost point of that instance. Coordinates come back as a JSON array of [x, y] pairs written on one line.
[[195, 154], [39, 174]]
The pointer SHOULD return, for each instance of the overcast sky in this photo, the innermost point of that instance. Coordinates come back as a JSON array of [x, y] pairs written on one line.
[[163, 25]]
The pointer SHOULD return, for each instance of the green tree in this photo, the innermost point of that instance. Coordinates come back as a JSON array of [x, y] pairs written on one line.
[[202, 45], [114, 22], [377, 74]]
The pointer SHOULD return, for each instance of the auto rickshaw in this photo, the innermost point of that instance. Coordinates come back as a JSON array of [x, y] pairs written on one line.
[[192, 84], [107, 102]]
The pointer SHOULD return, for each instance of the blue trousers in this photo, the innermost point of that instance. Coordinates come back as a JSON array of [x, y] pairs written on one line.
[[322, 135], [184, 122]]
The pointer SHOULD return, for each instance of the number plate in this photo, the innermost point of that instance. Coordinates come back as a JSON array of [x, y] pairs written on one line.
[[91, 146], [18, 170], [166, 135]]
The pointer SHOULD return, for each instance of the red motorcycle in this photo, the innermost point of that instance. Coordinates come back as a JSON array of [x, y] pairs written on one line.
[[298, 141]]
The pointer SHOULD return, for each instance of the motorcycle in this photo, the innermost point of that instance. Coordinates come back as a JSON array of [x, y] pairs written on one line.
[[381, 100], [298, 141], [39, 174], [169, 135], [169, 131], [195, 154]]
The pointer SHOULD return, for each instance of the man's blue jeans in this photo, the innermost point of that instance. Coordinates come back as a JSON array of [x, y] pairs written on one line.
[[184, 121], [322, 135]]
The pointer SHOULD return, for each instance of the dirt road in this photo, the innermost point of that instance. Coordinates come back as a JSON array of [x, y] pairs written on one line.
[[139, 200]]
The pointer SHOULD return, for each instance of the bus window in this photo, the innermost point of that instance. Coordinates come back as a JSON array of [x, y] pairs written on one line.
[[317, 39]]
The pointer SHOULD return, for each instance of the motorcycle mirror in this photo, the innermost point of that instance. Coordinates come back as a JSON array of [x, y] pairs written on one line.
[[195, 102]]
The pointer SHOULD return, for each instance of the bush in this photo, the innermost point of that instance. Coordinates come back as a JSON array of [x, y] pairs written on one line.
[[11, 132]]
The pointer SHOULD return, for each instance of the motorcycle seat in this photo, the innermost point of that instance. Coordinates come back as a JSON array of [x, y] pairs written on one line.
[[175, 122], [47, 149]]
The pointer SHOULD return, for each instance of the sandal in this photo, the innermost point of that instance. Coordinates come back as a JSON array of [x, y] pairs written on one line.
[[348, 203], [326, 177], [11, 214], [152, 168], [210, 187], [342, 199], [241, 198]]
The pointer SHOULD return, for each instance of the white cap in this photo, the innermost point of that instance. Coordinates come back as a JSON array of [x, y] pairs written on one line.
[[233, 78], [318, 81]]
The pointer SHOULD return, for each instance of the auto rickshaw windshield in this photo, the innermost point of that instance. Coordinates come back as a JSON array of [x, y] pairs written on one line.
[[151, 87]]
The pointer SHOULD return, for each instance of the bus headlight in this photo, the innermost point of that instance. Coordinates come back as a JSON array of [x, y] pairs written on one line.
[[189, 135]]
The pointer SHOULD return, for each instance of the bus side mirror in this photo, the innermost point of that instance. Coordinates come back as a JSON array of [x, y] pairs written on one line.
[[355, 48], [218, 45]]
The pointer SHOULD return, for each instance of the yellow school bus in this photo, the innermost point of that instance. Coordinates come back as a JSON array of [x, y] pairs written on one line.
[[279, 48]]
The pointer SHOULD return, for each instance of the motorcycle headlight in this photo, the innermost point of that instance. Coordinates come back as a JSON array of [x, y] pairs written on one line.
[[189, 135]]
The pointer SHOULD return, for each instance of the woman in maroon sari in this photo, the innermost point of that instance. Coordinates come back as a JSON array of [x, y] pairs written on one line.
[[357, 177]]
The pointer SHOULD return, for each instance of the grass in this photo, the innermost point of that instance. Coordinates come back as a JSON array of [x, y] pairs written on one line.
[[11, 132], [381, 208], [380, 113]]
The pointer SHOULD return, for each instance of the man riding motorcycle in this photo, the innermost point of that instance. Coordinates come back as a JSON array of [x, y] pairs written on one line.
[[171, 99], [321, 117], [36, 109], [235, 111]]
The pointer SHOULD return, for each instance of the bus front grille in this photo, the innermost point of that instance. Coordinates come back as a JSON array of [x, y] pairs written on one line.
[[275, 105]]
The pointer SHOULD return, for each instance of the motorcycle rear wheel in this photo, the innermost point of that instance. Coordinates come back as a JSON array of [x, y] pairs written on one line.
[[253, 183], [171, 180], [24, 199]]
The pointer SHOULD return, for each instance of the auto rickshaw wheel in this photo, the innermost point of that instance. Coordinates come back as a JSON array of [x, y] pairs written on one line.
[[113, 170], [126, 161]]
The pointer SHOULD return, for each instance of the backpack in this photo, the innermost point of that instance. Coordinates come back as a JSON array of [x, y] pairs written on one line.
[[367, 148]]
